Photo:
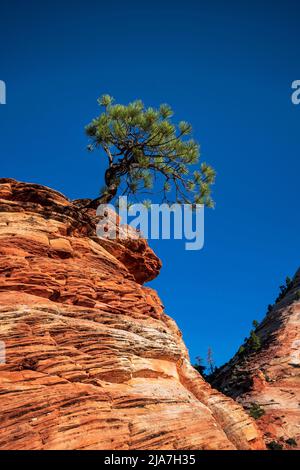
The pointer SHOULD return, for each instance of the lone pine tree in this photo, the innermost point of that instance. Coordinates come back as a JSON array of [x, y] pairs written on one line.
[[145, 149]]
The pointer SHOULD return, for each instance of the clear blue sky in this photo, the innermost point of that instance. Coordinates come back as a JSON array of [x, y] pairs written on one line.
[[226, 67]]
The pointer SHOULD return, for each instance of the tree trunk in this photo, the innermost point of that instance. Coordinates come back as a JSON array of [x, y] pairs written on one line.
[[103, 199], [111, 191]]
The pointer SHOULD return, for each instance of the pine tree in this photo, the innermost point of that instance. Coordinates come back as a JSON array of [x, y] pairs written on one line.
[[254, 341], [210, 361], [144, 147], [288, 281]]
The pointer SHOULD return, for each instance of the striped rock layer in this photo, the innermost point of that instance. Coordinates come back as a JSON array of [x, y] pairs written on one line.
[[269, 379], [92, 360]]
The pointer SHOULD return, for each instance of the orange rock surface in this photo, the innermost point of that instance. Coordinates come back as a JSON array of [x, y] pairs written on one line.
[[92, 360], [270, 377]]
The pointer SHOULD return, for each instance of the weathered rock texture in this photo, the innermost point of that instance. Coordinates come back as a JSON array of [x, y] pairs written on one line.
[[270, 377], [93, 362]]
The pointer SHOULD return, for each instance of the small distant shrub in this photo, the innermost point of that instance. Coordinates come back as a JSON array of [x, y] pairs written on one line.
[[251, 344], [291, 442], [273, 445], [297, 295], [270, 308], [254, 341], [268, 379], [288, 281], [284, 289], [256, 411], [199, 366]]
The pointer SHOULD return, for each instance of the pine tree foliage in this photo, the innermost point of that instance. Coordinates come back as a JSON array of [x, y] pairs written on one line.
[[144, 148]]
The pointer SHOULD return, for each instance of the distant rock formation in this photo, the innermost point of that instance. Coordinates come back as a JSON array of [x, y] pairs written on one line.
[[92, 360], [267, 381]]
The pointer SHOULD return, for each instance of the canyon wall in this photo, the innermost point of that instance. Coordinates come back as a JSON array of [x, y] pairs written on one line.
[[92, 360], [266, 381]]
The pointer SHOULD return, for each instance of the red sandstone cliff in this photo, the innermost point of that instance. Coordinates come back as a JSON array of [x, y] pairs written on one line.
[[92, 360], [270, 377]]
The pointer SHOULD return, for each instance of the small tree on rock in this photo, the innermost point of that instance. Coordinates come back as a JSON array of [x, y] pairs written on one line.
[[210, 361], [145, 148]]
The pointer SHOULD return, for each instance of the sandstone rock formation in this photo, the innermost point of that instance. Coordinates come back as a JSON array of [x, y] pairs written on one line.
[[92, 360], [269, 379]]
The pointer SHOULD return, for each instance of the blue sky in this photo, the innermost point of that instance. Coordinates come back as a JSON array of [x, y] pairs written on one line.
[[226, 67]]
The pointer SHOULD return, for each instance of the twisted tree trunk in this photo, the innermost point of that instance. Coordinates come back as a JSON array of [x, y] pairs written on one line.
[[111, 188]]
